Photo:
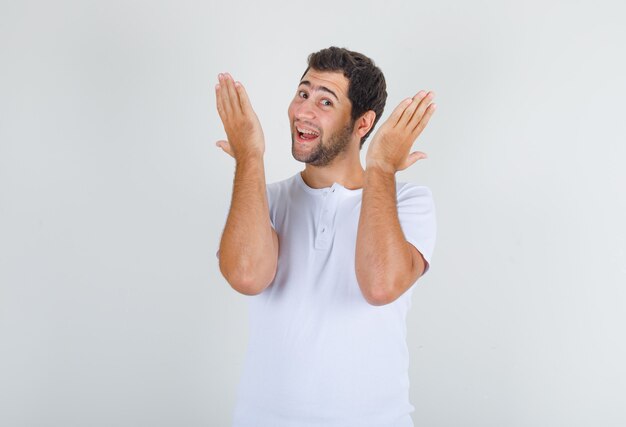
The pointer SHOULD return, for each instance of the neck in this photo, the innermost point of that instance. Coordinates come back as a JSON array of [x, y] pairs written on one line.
[[344, 170]]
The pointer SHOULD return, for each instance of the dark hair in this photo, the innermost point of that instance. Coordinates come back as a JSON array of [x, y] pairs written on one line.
[[367, 89]]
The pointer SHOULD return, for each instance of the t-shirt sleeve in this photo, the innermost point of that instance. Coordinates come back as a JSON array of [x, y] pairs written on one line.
[[416, 212], [270, 203]]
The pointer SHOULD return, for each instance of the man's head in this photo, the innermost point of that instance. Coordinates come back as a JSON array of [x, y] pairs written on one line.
[[340, 98]]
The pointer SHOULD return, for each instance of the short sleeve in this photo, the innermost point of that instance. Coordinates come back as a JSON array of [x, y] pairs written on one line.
[[270, 203], [416, 212]]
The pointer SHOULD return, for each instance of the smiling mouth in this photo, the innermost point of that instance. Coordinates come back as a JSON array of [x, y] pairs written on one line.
[[306, 135]]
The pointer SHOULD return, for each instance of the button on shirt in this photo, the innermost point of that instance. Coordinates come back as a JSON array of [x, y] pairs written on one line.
[[319, 354]]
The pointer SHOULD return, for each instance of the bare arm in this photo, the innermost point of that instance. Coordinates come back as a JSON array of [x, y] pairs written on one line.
[[249, 245], [386, 264], [248, 253]]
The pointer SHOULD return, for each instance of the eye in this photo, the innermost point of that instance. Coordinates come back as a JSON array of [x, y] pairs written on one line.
[[303, 94], [326, 103]]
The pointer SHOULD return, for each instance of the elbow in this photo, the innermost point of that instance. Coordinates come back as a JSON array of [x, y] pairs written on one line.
[[383, 284], [378, 291], [248, 286], [383, 288], [375, 285], [246, 283], [376, 301], [379, 296]]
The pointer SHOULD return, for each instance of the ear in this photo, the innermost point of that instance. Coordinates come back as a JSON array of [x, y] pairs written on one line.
[[364, 123]]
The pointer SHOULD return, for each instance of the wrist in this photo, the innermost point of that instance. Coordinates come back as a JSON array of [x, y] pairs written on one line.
[[249, 158], [379, 166]]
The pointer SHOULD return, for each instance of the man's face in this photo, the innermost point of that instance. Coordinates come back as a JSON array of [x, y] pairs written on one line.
[[319, 115]]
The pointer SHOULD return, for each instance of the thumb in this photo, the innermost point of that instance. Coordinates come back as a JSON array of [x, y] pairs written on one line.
[[413, 157], [224, 145]]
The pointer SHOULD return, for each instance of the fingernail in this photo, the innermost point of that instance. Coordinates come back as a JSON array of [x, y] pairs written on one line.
[[217, 86], [421, 93]]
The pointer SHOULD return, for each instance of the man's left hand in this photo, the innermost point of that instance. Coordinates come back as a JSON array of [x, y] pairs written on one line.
[[389, 149]]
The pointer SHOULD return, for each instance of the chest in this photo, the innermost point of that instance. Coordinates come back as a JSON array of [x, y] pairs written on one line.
[[315, 224]]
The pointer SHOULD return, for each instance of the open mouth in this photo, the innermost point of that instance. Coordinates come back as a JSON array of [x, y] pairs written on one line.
[[306, 135]]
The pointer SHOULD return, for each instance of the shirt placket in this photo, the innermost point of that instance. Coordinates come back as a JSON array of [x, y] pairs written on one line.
[[325, 225]]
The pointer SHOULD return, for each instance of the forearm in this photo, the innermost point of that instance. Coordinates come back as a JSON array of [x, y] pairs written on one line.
[[247, 244], [382, 253]]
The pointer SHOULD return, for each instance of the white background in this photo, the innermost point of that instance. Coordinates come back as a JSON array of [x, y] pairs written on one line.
[[113, 197]]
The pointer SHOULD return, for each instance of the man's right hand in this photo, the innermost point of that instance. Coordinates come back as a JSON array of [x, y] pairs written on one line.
[[242, 126]]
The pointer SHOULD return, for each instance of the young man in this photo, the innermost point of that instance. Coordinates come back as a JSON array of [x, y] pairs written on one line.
[[330, 254]]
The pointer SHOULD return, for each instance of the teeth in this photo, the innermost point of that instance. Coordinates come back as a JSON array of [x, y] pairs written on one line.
[[309, 132]]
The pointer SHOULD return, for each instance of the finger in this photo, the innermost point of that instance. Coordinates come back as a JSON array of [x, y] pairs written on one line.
[[219, 101], [417, 155], [233, 98], [419, 112], [224, 145], [410, 110], [397, 113], [244, 100], [223, 107], [424, 121], [412, 158]]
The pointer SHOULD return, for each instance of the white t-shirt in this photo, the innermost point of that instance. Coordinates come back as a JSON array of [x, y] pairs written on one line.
[[319, 354]]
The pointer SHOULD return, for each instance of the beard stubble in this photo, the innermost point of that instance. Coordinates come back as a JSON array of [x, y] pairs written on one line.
[[323, 154]]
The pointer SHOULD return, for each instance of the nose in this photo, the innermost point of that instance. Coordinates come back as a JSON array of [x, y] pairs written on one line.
[[304, 110]]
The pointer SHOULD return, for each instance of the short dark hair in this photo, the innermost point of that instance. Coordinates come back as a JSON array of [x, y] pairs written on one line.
[[367, 89]]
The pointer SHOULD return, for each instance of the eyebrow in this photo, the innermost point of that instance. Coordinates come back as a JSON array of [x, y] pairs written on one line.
[[322, 88]]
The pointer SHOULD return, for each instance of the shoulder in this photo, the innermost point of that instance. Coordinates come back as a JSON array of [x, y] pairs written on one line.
[[281, 191], [418, 217], [282, 185], [410, 192]]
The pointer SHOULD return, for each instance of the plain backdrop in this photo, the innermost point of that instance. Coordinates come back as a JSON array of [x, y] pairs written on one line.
[[113, 197]]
